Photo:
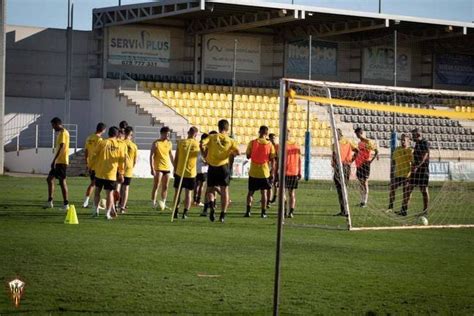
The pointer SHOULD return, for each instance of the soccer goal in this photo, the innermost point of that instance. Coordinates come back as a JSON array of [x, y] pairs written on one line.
[[381, 157]]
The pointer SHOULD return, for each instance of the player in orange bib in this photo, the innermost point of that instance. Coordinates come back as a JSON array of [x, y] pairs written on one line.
[[348, 151], [261, 152], [363, 161], [292, 173]]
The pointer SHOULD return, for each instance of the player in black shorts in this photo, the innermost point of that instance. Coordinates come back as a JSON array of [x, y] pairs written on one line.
[[217, 149], [420, 173]]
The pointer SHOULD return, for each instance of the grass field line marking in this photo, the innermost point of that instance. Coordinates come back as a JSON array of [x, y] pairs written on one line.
[[204, 275], [412, 227]]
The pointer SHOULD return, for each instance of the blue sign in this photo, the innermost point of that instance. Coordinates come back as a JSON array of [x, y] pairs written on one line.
[[323, 59], [454, 69]]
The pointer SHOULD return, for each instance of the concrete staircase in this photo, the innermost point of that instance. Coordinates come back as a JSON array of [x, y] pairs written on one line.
[[77, 164], [15, 123], [160, 113]]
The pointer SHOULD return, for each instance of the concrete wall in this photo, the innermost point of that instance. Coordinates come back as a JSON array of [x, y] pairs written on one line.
[[36, 62], [47, 109]]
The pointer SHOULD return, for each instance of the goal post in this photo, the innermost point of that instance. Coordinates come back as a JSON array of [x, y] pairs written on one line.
[[379, 181]]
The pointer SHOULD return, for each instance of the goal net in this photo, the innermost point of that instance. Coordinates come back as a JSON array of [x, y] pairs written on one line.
[[378, 157]]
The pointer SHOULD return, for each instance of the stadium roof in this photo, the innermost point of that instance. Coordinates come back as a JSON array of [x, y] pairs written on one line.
[[211, 16]]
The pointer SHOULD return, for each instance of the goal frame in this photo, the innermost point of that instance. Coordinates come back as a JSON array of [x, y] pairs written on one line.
[[326, 86]]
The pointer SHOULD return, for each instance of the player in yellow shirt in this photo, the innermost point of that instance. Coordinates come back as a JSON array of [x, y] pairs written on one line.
[[261, 152], [109, 169], [123, 147], [59, 164], [130, 162], [185, 169], [161, 158], [217, 149], [91, 142], [402, 159]]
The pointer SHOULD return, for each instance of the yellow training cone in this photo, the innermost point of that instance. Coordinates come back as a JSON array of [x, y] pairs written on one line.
[[71, 217]]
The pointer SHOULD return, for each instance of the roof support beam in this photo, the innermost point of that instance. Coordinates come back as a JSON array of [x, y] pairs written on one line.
[[240, 22], [132, 14]]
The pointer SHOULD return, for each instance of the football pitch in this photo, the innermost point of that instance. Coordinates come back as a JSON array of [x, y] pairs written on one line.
[[141, 263]]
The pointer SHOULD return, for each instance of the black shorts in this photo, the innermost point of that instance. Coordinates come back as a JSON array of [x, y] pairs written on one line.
[[92, 175], [188, 183], [420, 178], [399, 181], [346, 168], [363, 172], [108, 185], [59, 171], [218, 176], [257, 184], [127, 181], [164, 171], [291, 182], [201, 177]]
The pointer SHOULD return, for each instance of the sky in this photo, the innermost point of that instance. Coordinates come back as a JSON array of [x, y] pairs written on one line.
[[53, 13]]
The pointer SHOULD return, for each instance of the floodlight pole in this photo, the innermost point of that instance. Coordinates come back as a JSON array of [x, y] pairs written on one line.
[[307, 136], [234, 71], [3, 15], [393, 136], [281, 191], [69, 35]]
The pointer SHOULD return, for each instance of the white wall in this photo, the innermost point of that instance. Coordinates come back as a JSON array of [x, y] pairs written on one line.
[[28, 161]]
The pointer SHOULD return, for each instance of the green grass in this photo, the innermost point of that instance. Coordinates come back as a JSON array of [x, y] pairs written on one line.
[[142, 263]]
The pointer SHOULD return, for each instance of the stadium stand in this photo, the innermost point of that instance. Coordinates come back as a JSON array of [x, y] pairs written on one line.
[[448, 133], [203, 105]]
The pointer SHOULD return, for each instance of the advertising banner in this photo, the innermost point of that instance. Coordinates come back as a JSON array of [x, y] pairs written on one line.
[[454, 69], [219, 53], [323, 59], [139, 46], [378, 63]]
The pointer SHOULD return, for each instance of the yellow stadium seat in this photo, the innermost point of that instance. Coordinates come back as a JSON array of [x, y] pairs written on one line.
[[173, 86], [252, 98], [180, 86], [245, 98], [158, 85], [208, 96], [170, 94], [469, 109], [245, 122], [195, 87], [150, 85], [162, 94], [215, 96], [226, 89], [188, 86], [185, 95], [324, 125], [258, 98], [177, 94], [201, 96]]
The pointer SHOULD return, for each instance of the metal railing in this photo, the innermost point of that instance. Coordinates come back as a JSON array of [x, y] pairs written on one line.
[[127, 83], [43, 136], [146, 135], [15, 123]]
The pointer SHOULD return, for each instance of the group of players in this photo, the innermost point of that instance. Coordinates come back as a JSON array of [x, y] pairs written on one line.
[[409, 168], [110, 163]]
